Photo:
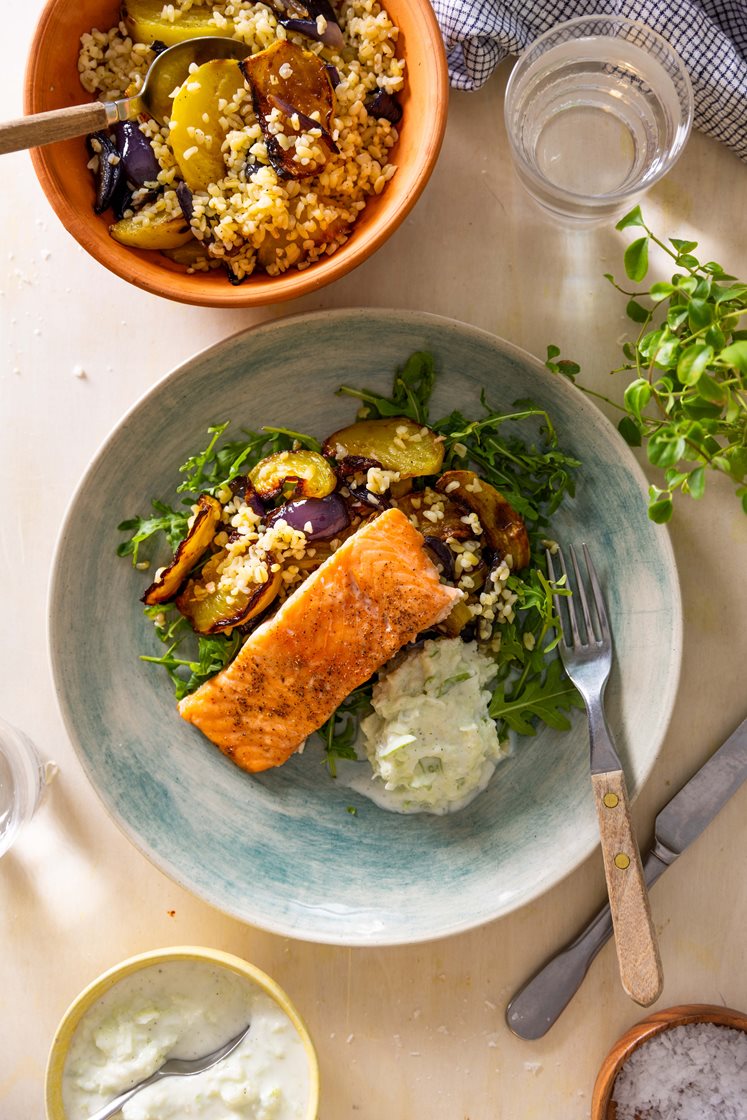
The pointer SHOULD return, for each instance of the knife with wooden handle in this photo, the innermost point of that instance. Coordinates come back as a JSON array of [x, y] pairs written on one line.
[[537, 1005]]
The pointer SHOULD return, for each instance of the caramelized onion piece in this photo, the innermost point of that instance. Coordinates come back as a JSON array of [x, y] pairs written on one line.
[[205, 601], [295, 84], [305, 474], [188, 552], [302, 17], [503, 527]]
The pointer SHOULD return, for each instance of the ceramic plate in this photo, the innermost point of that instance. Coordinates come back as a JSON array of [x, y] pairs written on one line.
[[280, 850]]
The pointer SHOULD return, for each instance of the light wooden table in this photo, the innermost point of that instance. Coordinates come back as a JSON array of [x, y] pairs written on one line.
[[408, 1032]]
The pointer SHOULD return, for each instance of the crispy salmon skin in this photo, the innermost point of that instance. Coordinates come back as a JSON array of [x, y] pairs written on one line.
[[375, 594]]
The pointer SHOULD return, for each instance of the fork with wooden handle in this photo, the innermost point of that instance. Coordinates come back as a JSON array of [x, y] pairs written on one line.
[[585, 649]]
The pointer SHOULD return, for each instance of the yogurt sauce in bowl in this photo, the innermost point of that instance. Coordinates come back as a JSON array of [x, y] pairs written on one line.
[[184, 1009]]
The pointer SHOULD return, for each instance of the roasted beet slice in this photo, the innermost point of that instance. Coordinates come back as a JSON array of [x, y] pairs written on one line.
[[109, 171], [288, 86], [382, 104]]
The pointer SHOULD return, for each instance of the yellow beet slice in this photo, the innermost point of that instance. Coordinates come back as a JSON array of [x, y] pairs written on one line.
[[304, 473], [188, 552], [195, 107], [146, 23], [397, 443], [205, 601], [158, 232]]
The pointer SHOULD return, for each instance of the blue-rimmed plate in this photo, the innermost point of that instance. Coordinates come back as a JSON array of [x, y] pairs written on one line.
[[280, 850]]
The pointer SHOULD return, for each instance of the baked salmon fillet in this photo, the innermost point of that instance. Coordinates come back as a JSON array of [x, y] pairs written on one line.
[[377, 592]]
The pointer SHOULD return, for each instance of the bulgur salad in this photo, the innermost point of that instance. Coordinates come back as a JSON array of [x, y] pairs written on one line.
[[260, 514], [261, 164]]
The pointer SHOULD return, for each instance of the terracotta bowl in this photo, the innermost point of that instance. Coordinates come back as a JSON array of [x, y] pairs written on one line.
[[602, 1105], [52, 83]]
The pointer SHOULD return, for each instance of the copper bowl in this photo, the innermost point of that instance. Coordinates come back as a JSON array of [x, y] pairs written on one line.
[[602, 1105], [52, 83]]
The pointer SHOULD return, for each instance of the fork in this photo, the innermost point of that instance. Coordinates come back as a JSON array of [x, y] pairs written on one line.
[[585, 648]]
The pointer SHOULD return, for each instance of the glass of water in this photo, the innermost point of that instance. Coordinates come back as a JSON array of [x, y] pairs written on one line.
[[597, 110], [24, 777]]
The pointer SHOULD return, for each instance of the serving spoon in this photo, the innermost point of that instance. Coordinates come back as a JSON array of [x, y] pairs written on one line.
[[174, 1067], [167, 71]]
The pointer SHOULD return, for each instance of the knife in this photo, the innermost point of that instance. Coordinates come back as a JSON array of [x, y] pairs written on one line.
[[537, 1005]]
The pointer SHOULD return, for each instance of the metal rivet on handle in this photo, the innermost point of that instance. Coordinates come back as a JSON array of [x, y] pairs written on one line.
[[622, 861], [611, 800]]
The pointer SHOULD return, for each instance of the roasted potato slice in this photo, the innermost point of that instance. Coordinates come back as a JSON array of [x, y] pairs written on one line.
[[160, 231], [397, 443], [292, 87], [196, 141], [414, 506], [503, 527], [302, 474], [146, 23], [205, 601], [188, 552]]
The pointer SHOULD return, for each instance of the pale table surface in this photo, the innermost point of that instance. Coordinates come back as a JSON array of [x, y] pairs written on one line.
[[406, 1032]]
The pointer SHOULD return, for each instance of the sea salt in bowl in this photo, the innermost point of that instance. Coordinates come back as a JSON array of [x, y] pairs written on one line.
[[683, 1063], [183, 1002], [52, 82]]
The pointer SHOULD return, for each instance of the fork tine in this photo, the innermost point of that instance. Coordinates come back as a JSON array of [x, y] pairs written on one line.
[[599, 603], [569, 605], [581, 592]]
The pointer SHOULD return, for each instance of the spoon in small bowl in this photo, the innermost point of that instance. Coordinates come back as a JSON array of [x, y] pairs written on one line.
[[167, 71], [174, 1067]]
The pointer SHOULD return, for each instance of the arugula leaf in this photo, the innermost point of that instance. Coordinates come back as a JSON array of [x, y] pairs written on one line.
[[411, 391], [340, 731], [213, 652], [170, 521], [544, 699]]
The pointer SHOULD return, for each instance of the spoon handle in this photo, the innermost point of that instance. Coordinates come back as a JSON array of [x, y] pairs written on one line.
[[60, 124]]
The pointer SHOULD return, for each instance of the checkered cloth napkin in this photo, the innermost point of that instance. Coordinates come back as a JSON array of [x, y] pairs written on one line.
[[709, 35]]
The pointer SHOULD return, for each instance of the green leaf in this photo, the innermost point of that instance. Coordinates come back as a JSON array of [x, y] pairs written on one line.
[[637, 395], [632, 218], [695, 484], [636, 259], [541, 699], [712, 390], [683, 246], [630, 431], [735, 356], [699, 314], [649, 344], [636, 311], [552, 352], [666, 447], [661, 290], [660, 510], [693, 361], [733, 292]]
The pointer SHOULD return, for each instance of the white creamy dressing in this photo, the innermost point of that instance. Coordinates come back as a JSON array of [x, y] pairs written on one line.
[[184, 1009], [430, 741]]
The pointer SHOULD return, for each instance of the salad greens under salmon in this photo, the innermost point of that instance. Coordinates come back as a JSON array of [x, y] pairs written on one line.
[[256, 516]]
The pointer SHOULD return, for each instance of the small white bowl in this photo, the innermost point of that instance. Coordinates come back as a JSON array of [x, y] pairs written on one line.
[[89, 996]]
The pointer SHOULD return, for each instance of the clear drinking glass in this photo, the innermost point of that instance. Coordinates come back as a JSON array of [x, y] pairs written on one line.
[[597, 110], [24, 777]]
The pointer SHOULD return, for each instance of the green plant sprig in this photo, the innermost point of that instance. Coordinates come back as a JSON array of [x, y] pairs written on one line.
[[687, 401]]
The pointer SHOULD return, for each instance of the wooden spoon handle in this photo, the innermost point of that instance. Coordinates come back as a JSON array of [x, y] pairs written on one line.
[[60, 124], [635, 938]]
